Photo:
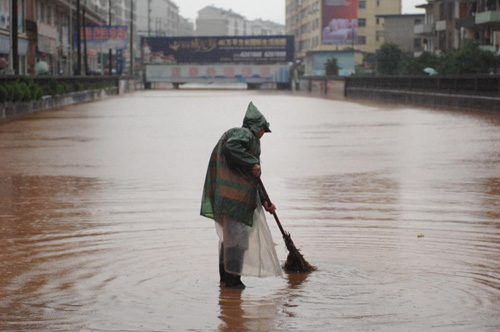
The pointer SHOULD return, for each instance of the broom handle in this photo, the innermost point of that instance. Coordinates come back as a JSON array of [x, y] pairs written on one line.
[[266, 196]]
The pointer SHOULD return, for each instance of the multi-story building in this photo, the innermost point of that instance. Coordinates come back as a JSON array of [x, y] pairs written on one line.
[[213, 21], [345, 29], [161, 18], [265, 28], [26, 36], [451, 24], [56, 22], [399, 30], [186, 27], [47, 32]]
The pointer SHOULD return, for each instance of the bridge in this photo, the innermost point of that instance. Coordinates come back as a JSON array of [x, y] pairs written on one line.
[[254, 60]]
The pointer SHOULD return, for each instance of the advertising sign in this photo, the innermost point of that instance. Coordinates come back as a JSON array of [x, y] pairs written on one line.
[[47, 38], [339, 22], [218, 73], [105, 37], [219, 49], [5, 14]]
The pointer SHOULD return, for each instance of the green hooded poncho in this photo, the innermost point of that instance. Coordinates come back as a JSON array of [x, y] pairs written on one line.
[[230, 188]]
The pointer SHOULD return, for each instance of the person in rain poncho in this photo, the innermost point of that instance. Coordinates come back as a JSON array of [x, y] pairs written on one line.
[[231, 198]]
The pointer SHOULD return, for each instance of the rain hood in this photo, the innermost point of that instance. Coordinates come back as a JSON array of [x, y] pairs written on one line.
[[254, 120]]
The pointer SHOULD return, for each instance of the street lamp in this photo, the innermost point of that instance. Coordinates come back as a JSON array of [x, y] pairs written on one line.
[[110, 54]]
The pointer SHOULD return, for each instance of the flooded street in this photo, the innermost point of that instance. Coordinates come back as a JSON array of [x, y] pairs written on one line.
[[398, 207]]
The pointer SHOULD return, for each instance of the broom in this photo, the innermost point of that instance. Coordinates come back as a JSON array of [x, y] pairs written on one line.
[[295, 262]]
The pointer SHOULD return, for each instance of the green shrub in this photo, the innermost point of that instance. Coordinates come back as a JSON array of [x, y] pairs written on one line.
[[53, 87], [36, 92], [3, 94], [331, 66], [25, 92], [17, 91]]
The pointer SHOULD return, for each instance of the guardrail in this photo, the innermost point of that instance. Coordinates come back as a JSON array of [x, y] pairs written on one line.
[[471, 92], [484, 85]]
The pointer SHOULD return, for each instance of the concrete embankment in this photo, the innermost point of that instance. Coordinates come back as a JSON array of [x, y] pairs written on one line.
[[12, 110], [475, 92]]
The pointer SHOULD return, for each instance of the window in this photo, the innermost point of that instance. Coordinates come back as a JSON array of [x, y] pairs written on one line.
[[362, 4], [417, 43], [361, 22], [361, 40]]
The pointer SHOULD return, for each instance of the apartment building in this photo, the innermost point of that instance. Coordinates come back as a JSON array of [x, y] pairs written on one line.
[[161, 18], [451, 24], [400, 30], [26, 36], [47, 33], [342, 28], [214, 21]]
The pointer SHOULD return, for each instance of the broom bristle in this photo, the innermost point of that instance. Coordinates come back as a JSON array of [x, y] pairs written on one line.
[[295, 262]]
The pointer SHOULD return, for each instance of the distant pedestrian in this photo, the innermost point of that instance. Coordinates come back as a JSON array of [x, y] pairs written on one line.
[[231, 196]]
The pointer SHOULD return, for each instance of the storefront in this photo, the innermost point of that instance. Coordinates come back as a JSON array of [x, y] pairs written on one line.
[[5, 38]]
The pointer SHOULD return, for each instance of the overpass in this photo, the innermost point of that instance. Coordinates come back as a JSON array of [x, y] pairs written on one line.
[[254, 60]]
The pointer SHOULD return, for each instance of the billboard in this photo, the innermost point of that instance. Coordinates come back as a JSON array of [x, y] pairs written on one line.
[[339, 22], [5, 11], [228, 73], [218, 49], [105, 37]]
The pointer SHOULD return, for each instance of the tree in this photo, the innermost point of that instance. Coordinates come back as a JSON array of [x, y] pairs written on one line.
[[331, 66], [416, 66], [468, 60], [473, 60], [389, 59]]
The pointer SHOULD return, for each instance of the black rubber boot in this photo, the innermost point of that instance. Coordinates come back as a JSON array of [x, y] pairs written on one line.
[[233, 281], [236, 265]]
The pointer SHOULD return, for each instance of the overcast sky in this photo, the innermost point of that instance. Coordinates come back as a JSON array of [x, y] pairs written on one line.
[[273, 10]]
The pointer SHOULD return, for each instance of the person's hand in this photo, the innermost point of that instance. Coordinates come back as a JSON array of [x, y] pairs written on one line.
[[256, 171], [270, 208]]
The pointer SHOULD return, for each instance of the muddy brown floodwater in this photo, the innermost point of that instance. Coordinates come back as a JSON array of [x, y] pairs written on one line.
[[399, 208]]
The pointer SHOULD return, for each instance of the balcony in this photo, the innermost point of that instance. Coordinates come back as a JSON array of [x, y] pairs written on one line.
[[465, 22], [441, 25], [488, 17], [423, 29], [491, 48]]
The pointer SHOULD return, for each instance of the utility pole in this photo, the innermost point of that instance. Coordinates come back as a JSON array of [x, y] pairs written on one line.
[[78, 40], [110, 50], [149, 18], [14, 29], [131, 36], [85, 53]]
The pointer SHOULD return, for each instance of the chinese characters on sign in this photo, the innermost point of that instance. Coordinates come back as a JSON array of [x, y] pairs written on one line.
[[238, 49], [217, 73], [105, 36]]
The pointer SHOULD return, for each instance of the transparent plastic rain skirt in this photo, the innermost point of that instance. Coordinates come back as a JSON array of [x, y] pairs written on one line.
[[248, 251]]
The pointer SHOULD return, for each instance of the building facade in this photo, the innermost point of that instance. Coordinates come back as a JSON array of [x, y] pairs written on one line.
[[451, 24], [47, 33], [213, 21], [162, 18], [400, 30], [341, 26]]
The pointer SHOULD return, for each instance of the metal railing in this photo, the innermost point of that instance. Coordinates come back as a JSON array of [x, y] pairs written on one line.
[[483, 85]]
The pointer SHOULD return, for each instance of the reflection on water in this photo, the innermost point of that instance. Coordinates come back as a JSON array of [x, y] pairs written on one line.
[[99, 224]]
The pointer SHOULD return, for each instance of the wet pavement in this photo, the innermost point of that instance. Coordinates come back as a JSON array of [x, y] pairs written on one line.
[[399, 207]]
